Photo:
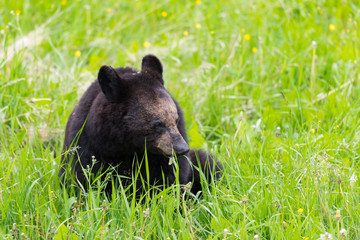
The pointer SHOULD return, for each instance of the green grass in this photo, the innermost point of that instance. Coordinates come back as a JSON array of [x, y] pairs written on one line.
[[284, 120]]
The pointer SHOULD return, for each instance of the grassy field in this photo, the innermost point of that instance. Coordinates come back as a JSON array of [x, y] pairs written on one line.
[[270, 87]]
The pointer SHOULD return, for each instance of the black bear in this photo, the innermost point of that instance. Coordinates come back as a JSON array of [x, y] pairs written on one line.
[[124, 115]]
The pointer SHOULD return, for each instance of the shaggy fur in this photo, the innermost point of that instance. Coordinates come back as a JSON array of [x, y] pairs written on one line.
[[120, 115]]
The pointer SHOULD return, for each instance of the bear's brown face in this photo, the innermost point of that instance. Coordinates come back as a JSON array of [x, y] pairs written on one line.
[[151, 120], [155, 120]]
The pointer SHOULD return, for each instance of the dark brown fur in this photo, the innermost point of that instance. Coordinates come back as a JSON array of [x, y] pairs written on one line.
[[122, 113]]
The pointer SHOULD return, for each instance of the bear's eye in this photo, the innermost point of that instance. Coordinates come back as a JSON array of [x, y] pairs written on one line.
[[157, 124]]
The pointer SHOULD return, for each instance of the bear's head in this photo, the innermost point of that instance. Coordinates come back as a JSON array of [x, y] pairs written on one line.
[[149, 116]]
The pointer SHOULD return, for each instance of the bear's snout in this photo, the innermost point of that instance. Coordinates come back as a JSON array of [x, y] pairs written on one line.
[[179, 145], [172, 142], [181, 149]]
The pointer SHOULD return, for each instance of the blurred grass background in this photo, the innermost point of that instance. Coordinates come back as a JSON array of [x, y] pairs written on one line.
[[270, 87]]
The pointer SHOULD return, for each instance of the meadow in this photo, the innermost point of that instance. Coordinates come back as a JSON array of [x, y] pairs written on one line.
[[270, 87]]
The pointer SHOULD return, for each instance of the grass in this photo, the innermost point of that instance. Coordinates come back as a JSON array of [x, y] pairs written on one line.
[[280, 108]]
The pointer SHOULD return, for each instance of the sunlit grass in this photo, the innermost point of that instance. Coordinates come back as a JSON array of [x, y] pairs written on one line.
[[270, 87]]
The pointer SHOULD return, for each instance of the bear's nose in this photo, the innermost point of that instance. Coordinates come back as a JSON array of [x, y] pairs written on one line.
[[181, 149], [179, 144]]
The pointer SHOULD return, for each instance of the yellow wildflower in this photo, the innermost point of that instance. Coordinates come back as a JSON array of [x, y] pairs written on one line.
[[319, 9], [312, 130], [197, 25], [186, 33], [109, 10], [147, 44], [350, 19], [337, 215], [301, 210], [198, 2], [247, 37], [17, 12], [77, 53], [331, 27], [212, 32], [63, 2], [254, 49], [164, 14]]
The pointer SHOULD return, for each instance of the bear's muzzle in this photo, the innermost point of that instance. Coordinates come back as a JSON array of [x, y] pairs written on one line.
[[172, 142]]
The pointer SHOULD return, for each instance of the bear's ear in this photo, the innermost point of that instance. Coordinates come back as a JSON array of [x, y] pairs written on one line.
[[111, 84], [152, 63]]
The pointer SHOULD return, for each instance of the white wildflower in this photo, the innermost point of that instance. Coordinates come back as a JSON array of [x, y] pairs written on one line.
[[353, 179], [343, 233]]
